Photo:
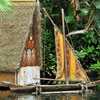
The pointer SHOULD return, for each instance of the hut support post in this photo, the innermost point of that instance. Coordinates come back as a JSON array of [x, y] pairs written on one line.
[[27, 74]]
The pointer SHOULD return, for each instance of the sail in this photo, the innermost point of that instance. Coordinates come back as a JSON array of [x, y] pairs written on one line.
[[59, 54], [74, 70]]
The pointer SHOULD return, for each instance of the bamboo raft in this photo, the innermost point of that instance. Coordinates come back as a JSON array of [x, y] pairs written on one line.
[[52, 89], [43, 89]]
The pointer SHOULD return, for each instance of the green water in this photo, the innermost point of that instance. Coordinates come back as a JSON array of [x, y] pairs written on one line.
[[88, 96]]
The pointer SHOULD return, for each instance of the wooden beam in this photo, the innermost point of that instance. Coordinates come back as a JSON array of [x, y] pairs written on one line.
[[49, 18], [48, 79], [64, 41], [68, 88], [60, 92], [64, 92]]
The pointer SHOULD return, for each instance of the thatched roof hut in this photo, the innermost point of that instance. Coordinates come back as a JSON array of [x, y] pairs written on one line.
[[14, 27]]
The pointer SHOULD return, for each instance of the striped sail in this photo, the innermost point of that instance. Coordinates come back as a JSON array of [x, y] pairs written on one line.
[[74, 71], [59, 54]]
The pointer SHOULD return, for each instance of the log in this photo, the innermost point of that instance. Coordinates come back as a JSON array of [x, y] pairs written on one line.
[[64, 87], [48, 79], [38, 89], [59, 92]]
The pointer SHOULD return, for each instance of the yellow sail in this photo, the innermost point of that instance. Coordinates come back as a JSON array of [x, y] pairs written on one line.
[[60, 55], [74, 70]]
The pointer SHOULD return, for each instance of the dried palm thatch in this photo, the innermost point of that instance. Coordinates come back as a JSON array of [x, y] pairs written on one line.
[[37, 33], [14, 28]]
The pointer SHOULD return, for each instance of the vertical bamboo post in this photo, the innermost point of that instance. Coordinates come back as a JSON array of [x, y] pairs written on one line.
[[64, 41]]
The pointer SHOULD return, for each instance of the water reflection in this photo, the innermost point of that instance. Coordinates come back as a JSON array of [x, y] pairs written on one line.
[[4, 95], [66, 97], [9, 96], [28, 97]]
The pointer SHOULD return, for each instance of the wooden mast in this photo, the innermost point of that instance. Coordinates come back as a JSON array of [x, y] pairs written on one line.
[[64, 41]]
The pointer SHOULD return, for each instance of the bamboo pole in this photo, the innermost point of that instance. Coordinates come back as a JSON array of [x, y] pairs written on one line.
[[49, 18], [48, 79], [87, 27], [64, 41], [59, 92], [95, 82]]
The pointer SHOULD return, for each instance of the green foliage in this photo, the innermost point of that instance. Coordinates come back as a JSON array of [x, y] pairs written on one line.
[[97, 18], [98, 87], [48, 39], [49, 53], [83, 11], [69, 19], [97, 13], [88, 50], [5, 5], [97, 4], [95, 66], [80, 54], [87, 46]]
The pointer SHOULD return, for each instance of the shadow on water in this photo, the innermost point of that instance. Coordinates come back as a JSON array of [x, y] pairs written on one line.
[[9, 96]]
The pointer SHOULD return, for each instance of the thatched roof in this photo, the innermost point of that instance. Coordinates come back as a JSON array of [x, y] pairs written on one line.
[[14, 27], [37, 33]]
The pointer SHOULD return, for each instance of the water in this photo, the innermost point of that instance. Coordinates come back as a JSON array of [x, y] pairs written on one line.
[[9, 96]]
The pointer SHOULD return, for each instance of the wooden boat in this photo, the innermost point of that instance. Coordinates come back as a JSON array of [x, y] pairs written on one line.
[[69, 69], [49, 89]]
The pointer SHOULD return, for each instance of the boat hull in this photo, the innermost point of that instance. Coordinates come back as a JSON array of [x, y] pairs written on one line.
[[39, 89]]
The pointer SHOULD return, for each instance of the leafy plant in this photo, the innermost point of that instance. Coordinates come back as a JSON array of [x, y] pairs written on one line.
[[97, 13], [5, 5], [80, 54], [95, 66], [86, 46]]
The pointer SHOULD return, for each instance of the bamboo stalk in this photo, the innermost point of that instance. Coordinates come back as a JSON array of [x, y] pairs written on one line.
[[87, 27], [48, 79], [51, 20], [64, 41], [49, 17], [95, 82], [60, 85], [57, 92], [63, 92]]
